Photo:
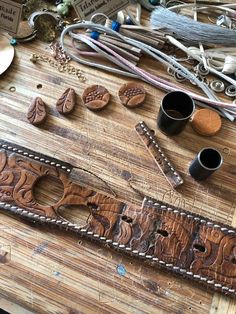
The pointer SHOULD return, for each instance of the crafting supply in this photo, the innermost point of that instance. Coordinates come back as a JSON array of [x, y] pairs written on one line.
[[132, 95], [204, 7], [175, 111], [206, 122], [153, 147], [58, 53], [196, 54], [131, 19], [178, 77], [7, 53], [230, 91], [133, 71], [192, 246], [37, 111], [63, 68], [45, 24], [200, 32], [229, 65], [96, 97], [66, 102], [63, 9], [201, 70], [217, 86], [207, 161]]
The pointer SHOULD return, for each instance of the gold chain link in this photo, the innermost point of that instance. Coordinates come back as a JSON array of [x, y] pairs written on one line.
[[66, 68]]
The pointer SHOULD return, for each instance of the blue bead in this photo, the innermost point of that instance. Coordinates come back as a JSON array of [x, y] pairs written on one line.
[[95, 35], [115, 26], [121, 270], [13, 42]]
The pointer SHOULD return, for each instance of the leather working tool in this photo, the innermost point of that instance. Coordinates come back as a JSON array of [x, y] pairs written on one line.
[[174, 239]]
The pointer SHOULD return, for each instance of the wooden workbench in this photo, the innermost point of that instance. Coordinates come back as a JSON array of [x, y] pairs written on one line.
[[49, 271]]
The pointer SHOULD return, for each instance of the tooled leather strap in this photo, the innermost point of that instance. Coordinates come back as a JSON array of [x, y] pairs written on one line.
[[177, 240]]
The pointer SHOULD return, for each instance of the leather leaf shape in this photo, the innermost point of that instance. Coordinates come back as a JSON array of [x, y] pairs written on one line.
[[66, 102], [37, 111]]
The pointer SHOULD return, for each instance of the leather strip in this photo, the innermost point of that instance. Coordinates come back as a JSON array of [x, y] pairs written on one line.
[[174, 239], [35, 156], [150, 142]]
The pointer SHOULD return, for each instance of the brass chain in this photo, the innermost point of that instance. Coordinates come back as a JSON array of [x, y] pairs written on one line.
[[61, 67]]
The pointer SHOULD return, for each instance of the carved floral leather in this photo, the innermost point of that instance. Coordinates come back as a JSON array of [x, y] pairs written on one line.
[[179, 241]]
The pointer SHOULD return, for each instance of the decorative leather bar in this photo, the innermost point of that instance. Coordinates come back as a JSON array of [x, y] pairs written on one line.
[[150, 142], [179, 241]]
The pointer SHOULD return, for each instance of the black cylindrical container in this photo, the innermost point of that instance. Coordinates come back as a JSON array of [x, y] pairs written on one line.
[[207, 161], [176, 109]]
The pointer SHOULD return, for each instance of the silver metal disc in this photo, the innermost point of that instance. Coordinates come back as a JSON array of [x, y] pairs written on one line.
[[6, 54]]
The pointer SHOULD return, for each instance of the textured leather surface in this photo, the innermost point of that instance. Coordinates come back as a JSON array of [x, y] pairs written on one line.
[[150, 141], [175, 239]]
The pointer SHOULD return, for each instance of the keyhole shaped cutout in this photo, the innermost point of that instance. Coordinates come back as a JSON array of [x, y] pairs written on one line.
[[48, 190]]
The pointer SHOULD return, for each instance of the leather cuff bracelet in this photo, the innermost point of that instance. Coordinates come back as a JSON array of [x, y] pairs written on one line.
[[179, 241]]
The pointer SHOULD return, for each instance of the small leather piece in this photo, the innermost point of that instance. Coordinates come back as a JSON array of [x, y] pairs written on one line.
[[150, 142], [66, 102], [96, 97], [132, 95], [206, 122], [177, 240], [37, 111]]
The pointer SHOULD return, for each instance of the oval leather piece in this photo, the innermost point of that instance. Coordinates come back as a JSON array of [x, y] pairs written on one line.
[[206, 122], [66, 102], [96, 97], [132, 95], [37, 111]]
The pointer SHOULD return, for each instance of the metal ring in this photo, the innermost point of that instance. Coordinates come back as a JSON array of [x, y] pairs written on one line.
[[12, 89], [202, 70], [179, 77], [230, 91], [217, 86], [170, 71]]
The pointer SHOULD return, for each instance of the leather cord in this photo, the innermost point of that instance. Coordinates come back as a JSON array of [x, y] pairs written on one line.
[[134, 72]]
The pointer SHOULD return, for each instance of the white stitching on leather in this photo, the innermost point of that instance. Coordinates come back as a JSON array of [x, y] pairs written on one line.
[[24, 153], [155, 259], [159, 149]]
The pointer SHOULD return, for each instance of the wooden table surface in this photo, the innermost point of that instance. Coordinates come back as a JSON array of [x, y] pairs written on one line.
[[50, 271]]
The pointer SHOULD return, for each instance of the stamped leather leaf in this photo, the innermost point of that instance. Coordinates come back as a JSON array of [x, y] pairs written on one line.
[[37, 111], [66, 102]]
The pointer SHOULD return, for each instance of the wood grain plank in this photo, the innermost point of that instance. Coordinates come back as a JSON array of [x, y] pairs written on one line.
[[50, 271]]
